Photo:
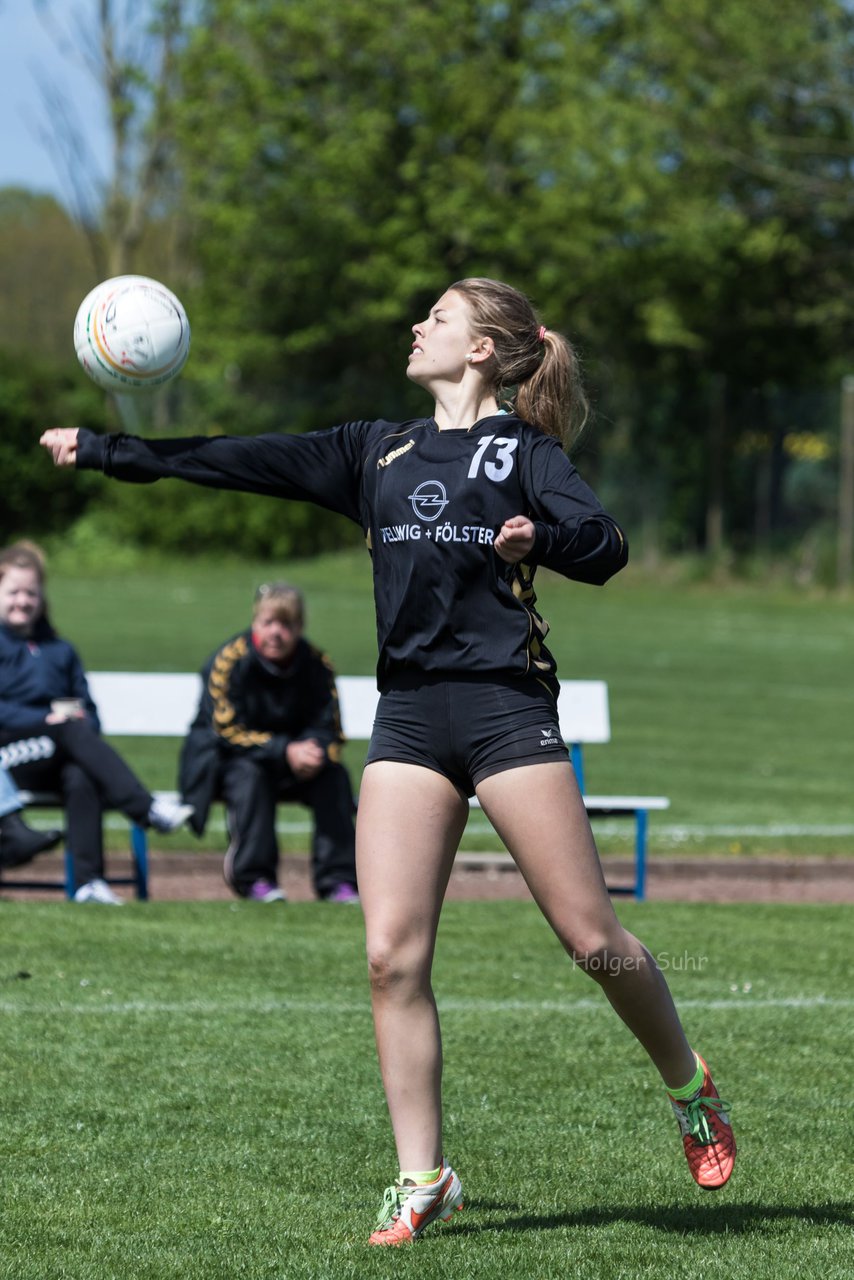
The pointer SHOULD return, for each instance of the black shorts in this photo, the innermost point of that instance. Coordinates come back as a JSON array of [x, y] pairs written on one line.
[[468, 728]]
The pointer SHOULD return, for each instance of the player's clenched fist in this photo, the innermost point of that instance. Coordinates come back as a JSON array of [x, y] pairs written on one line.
[[61, 442], [515, 539]]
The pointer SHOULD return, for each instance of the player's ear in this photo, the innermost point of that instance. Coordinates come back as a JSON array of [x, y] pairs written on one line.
[[484, 348]]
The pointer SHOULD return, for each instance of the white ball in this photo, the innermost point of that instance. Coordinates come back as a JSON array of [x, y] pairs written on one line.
[[131, 334]]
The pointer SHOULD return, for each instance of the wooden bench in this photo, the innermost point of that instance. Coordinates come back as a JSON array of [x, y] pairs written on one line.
[[143, 704]]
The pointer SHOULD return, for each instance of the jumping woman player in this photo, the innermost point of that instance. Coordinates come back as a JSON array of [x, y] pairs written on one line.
[[458, 510]]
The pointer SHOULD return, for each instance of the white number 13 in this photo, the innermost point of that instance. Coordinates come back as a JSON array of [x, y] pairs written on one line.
[[501, 468]]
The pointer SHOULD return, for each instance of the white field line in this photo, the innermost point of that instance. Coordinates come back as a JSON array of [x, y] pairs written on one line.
[[685, 831], [676, 832], [468, 1005]]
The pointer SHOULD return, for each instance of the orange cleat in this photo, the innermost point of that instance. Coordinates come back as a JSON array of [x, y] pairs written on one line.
[[407, 1209], [707, 1136]]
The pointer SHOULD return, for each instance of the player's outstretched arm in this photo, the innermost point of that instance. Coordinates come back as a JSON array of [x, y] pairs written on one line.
[[61, 443], [319, 466]]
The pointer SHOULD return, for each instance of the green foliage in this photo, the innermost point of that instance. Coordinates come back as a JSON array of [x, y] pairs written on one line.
[[35, 394], [671, 183], [181, 520], [44, 275], [591, 154], [196, 1095]]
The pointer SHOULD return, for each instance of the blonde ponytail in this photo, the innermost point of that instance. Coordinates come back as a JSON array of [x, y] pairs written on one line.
[[534, 368]]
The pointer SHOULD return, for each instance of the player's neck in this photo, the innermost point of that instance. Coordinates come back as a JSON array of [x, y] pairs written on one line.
[[460, 407]]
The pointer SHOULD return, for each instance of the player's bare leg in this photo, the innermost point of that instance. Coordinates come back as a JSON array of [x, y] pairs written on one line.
[[538, 812], [409, 825]]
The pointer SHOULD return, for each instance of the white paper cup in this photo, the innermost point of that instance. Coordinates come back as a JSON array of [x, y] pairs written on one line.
[[69, 707]]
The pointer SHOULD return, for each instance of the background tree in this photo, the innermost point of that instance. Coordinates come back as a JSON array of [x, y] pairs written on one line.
[[130, 51], [671, 183], [44, 275], [36, 501], [739, 285]]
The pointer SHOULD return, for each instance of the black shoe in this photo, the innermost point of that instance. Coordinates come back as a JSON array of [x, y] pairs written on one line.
[[20, 843]]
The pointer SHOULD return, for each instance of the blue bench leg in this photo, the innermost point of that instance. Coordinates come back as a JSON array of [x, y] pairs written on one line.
[[577, 759], [139, 848], [70, 882], [640, 855]]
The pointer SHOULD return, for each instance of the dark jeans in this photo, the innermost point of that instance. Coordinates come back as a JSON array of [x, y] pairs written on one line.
[[251, 790], [74, 760]]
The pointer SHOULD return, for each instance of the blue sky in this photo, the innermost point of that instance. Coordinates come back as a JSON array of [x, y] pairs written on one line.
[[27, 52]]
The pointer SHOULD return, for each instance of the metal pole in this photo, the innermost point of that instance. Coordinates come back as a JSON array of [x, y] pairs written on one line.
[[845, 542], [716, 467]]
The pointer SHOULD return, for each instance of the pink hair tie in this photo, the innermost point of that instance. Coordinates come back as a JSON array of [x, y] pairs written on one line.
[[541, 333]]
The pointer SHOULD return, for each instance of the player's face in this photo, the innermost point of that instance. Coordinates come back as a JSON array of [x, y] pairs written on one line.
[[441, 342], [21, 599], [273, 637]]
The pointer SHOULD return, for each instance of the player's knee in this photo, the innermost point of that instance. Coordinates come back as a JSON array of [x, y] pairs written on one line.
[[74, 734], [604, 955], [77, 782], [394, 968]]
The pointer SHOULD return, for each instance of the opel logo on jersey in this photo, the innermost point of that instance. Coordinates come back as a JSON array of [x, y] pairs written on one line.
[[429, 499]]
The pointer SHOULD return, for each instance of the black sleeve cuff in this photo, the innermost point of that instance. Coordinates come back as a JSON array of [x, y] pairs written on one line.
[[91, 450]]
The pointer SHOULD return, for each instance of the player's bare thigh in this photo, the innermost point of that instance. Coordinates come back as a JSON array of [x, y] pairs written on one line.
[[409, 824], [539, 814]]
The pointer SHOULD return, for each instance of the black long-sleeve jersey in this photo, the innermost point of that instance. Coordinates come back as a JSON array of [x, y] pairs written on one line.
[[430, 503]]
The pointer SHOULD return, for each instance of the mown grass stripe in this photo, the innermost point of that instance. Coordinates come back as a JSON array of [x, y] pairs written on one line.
[[469, 1005]]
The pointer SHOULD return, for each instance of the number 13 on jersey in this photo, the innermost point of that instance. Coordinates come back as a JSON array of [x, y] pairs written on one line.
[[502, 466]]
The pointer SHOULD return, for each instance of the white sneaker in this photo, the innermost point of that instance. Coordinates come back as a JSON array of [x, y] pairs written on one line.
[[406, 1209], [98, 891], [167, 815], [266, 891]]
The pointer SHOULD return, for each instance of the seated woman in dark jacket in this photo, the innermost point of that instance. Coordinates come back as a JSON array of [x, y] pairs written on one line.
[[49, 728], [267, 729]]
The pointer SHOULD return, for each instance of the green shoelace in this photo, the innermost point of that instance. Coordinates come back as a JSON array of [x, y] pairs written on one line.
[[392, 1197], [696, 1112]]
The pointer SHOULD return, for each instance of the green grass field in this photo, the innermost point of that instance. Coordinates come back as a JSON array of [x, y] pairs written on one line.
[[190, 1091], [737, 702]]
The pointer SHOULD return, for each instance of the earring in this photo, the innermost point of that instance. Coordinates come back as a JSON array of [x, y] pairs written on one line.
[[469, 357]]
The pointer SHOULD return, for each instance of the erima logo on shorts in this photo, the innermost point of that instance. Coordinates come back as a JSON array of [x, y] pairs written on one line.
[[429, 499], [548, 739]]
